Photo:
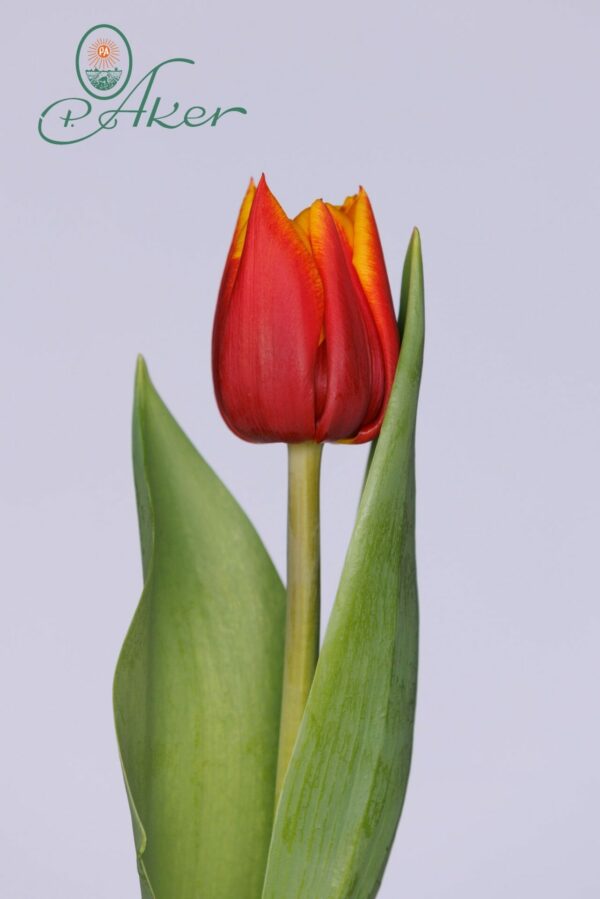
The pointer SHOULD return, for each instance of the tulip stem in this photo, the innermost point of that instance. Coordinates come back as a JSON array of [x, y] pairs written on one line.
[[303, 594]]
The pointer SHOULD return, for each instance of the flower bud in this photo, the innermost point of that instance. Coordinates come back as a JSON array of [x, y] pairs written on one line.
[[305, 342]]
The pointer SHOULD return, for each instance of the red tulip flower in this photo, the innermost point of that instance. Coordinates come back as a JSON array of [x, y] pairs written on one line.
[[305, 342]]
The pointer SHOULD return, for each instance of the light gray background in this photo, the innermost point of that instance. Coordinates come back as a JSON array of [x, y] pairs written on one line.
[[476, 121]]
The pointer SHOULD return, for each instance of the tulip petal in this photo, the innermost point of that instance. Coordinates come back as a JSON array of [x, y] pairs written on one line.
[[302, 225], [346, 353], [379, 393], [367, 258], [343, 220], [264, 354], [233, 259]]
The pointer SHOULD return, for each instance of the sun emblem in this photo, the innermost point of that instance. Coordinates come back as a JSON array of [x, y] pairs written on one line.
[[103, 61], [103, 54]]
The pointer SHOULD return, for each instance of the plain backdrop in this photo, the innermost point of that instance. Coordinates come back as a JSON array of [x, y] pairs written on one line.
[[478, 122]]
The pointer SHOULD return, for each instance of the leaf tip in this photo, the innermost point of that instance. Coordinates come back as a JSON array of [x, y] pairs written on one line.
[[415, 241], [141, 370], [142, 381]]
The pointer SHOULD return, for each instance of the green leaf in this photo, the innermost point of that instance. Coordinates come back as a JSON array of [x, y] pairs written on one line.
[[198, 683], [346, 782]]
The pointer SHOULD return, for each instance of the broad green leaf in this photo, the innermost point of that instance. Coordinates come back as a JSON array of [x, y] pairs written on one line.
[[198, 683], [345, 786]]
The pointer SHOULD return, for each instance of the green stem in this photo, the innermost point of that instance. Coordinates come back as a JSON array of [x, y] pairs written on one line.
[[303, 592]]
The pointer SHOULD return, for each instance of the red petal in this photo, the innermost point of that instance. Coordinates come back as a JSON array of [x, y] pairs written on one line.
[[232, 265], [265, 353], [367, 258], [345, 375]]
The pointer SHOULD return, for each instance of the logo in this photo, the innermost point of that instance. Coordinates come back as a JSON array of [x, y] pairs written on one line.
[[104, 68], [104, 62]]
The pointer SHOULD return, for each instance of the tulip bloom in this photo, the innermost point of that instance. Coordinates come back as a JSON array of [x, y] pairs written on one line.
[[305, 342]]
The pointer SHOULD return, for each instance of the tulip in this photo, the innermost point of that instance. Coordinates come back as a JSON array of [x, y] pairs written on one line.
[[305, 343], [305, 347]]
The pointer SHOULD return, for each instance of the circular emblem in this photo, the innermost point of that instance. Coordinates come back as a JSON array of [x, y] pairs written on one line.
[[103, 61]]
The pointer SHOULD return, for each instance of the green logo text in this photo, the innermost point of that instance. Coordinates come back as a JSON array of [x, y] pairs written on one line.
[[104, 65]]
